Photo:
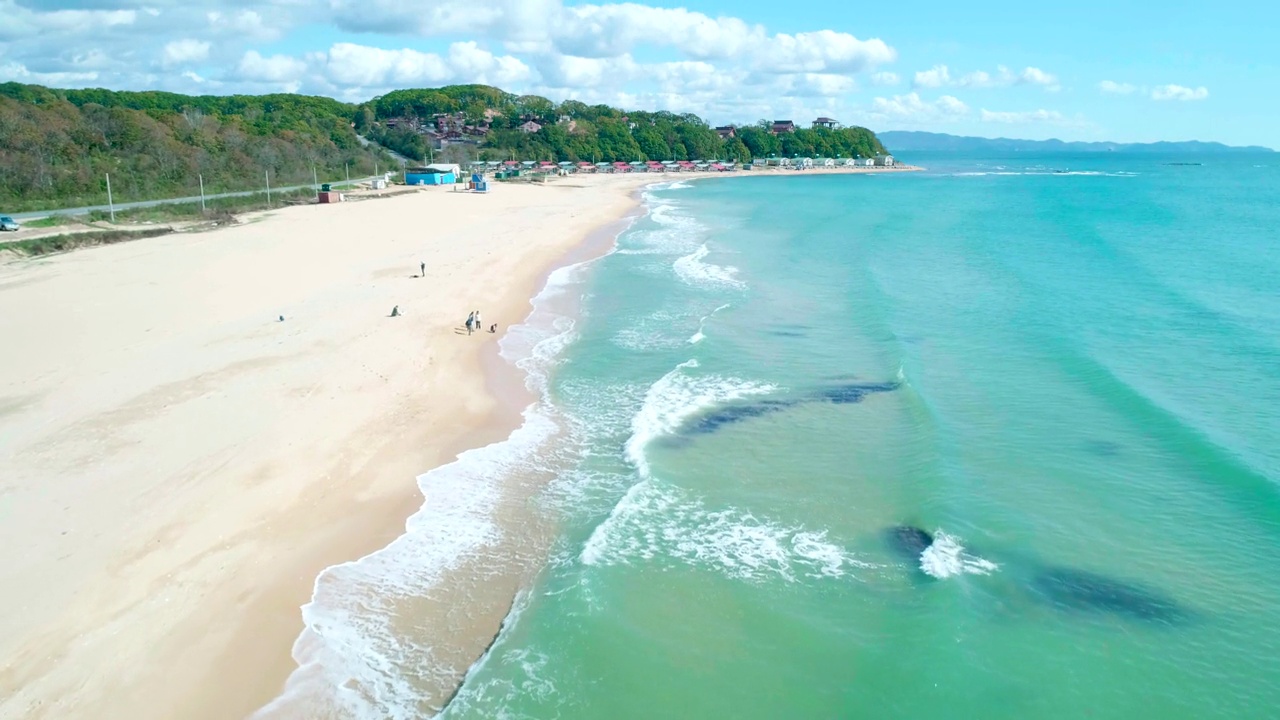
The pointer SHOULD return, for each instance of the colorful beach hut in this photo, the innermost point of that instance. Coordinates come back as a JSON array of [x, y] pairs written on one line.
[[431, 175]]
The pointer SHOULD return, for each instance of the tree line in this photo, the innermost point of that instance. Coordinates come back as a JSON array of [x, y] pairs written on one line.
[[575, 131], [56, 146]]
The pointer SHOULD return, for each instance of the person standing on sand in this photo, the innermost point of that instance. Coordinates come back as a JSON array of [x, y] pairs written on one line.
[[423, 269], [471, 321], [479, 326]]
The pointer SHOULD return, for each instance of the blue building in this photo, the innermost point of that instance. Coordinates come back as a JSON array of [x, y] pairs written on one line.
[[429, 176]]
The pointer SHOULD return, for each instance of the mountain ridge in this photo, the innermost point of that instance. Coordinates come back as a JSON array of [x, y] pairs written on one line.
[[917, 141]]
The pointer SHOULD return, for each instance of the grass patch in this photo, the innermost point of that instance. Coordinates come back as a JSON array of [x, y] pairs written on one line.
[[219, 208], [48, 222], [72, 241]]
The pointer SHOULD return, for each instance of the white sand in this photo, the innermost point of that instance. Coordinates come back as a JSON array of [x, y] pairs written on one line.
[[176, 466]]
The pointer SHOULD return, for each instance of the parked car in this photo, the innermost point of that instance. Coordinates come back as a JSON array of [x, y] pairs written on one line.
[[8, 223]]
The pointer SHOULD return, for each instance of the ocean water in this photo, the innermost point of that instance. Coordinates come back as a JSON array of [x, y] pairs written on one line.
[[1065, 369]]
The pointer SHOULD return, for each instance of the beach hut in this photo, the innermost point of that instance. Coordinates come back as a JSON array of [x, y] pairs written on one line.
[[686, 166], [884, 161], [586, 167], [431, 175], [621, 167], [567, 166]]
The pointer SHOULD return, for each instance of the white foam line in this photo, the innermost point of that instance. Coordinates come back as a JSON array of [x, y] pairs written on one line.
[[353, 660], [691, 269], [670, 401], [702, 324]]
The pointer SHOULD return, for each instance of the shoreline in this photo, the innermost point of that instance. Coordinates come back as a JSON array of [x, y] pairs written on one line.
[[241, 517], [253, 656]]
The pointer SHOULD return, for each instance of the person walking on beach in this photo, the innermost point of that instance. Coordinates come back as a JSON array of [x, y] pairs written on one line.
[[479, 326], [471, 321], [422, 269]]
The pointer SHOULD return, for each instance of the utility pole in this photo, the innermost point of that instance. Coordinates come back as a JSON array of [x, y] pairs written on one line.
[[268, 176], [315, 181], [347, 167], [110, 203], [201, 193]]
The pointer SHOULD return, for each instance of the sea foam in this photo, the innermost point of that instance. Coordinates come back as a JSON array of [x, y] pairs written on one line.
[[355, 657], [946, 557]]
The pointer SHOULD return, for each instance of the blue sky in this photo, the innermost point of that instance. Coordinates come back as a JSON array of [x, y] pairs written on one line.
[[1136, 71]]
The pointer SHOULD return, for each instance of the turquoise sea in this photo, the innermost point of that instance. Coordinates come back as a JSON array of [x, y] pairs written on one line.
[[1065, 369]]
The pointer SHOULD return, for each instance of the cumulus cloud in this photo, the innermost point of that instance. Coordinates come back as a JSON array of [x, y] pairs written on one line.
[[17, 72], [936, 77], [274, 69], [1111, 87], [180, 52], [912, 109], [21, 22], [1021, 118], [885, 79], [940, 76], [1178, 92]]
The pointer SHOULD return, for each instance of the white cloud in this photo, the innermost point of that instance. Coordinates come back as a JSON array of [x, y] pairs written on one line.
[[179, 52], [1178, 92], [245, 24], [617, 29], [823, 51], [1021, 118], [910, 108], [17, 72], [939, 76], [885, 79], [1036, 76], [274, 69], [20, 22], [1114, 88]]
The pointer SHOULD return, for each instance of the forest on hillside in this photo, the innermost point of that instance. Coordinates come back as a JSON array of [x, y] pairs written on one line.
[[57, 146], [598, 132]]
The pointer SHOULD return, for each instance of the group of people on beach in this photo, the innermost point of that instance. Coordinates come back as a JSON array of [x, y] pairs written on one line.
[[475, 325]]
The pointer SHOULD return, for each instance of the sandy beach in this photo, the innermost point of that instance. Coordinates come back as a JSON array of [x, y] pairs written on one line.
[[177, 464]]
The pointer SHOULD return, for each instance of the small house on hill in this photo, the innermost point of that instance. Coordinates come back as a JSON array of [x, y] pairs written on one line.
[[530, 127], [825, 122], [726, 132], [782, 126]]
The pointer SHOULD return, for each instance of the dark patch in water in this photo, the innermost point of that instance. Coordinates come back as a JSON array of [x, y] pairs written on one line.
[[786, 333], [908, 541], [735, 414], [1102, 448], [850, 393], [841, 394], [1069, 589]]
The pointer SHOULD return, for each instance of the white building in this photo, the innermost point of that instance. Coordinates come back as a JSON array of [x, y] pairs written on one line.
[[884, 161]]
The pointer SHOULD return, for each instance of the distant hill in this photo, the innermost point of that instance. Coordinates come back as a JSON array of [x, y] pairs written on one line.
[[908, 141]]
